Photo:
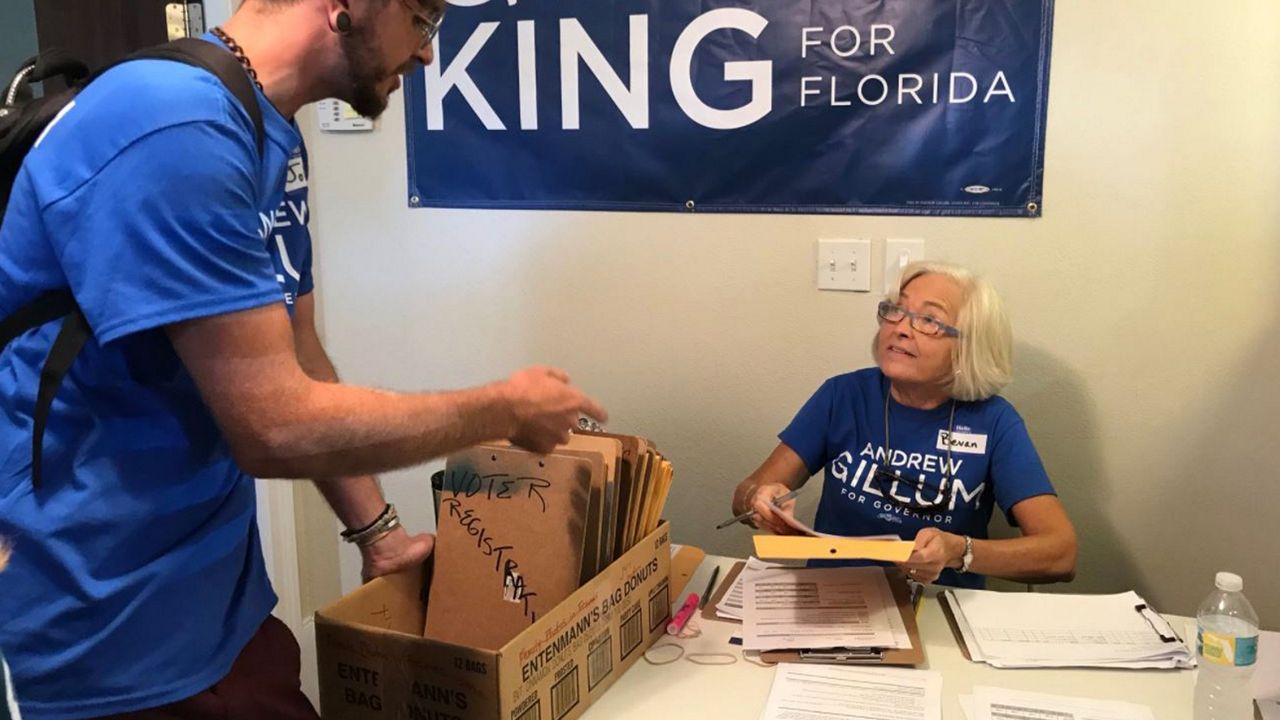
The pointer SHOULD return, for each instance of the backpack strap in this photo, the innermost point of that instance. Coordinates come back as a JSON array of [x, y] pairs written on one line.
[[50, 306], [221, 64], [50, 63], [71, 338]]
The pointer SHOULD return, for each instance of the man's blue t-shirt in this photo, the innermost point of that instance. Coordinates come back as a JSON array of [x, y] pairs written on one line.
[[137, 575], [842, 429]]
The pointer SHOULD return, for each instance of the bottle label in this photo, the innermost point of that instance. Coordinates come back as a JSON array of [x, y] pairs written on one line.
[[1227, 649]]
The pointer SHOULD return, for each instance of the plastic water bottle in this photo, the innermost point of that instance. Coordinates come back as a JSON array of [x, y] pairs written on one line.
[[1226, 650]]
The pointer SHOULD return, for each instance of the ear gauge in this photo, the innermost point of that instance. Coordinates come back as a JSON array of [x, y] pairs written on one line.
[[343, 22]]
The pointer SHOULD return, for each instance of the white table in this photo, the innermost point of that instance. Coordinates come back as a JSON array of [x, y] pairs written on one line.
[[687, 690]]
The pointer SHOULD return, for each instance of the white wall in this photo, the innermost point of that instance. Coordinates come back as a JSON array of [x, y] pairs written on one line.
[[216, 12], [1146, 302]]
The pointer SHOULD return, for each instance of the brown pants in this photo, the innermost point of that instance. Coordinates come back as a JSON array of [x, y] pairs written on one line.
[[264, 682]]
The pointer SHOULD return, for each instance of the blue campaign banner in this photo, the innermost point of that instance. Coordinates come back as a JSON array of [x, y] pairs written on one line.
[[849, 106]]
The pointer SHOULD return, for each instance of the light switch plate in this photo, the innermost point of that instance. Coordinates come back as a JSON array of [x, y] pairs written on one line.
[[898, 253], [844, 265]]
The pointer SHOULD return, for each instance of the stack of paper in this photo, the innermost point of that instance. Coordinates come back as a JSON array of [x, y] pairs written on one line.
[[1012, 630], [730, 606], [1266, 676], [989, 703], [811, 608], [829, 692]]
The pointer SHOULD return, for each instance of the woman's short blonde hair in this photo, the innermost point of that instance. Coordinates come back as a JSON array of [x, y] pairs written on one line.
[[983, 357]]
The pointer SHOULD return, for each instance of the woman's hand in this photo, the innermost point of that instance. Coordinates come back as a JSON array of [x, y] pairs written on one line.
[[767, 515], [934, 551], [781, 472]]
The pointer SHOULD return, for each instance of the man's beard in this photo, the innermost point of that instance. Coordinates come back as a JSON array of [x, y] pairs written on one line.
[[364, 73]]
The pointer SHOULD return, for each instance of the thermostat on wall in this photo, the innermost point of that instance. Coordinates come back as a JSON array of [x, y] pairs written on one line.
[[338, 116]]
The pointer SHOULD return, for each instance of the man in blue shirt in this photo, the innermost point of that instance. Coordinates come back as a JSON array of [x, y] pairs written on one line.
[[138, 580]]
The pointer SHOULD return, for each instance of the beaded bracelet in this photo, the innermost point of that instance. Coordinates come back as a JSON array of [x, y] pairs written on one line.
[[376, 530]]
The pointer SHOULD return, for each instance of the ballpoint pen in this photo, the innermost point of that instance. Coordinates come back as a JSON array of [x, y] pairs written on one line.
[[711, 585], [749, 513]]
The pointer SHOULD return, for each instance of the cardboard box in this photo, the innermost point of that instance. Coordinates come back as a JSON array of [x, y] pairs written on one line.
[[374, 662]]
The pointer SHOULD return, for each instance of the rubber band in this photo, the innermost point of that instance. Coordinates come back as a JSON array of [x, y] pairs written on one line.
[[691, 629], [707, 658], [696, 658], [676, 657]]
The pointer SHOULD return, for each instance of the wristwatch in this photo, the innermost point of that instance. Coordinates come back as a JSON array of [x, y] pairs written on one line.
[[967, 559]]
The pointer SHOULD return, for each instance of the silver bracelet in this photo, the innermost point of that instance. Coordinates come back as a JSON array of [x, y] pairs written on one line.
[[389, 520], [967, 559]]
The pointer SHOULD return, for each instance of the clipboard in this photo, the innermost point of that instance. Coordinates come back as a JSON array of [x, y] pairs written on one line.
[[709, 611], [602, 518], [683, 565], [657, 497], [628, 466], [510, 543], [950, 614], [593, 534], [639, 496], [1143, 609], [867, 656]]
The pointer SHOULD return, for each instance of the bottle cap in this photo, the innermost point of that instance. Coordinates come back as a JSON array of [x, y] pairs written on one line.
[[1230, 582]]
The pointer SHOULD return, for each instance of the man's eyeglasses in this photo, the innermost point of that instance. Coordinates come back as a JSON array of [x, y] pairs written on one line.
[[926, 324], [426, 22]]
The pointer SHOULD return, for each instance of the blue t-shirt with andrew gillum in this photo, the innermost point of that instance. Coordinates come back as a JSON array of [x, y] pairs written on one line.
[[137, 574], [841, 428]]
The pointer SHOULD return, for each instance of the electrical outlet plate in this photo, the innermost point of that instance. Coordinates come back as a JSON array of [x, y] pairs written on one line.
[[844, 265]]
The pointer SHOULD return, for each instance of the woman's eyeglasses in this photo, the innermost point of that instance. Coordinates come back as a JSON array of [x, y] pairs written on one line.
[[921, 495], [926, 324]]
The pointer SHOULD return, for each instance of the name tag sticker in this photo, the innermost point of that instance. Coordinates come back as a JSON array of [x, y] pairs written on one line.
[[959, 442], [296, 179]]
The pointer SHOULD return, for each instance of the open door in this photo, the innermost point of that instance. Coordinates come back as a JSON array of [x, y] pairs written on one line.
[[103, 31]]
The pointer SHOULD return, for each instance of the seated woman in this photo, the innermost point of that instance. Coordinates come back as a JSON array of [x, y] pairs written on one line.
[[922, 447]]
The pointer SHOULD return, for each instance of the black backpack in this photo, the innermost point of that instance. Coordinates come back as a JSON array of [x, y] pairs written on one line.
[[22, 120]]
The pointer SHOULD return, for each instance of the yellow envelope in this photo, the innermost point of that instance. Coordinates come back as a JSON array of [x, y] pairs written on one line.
[[796, 547]]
